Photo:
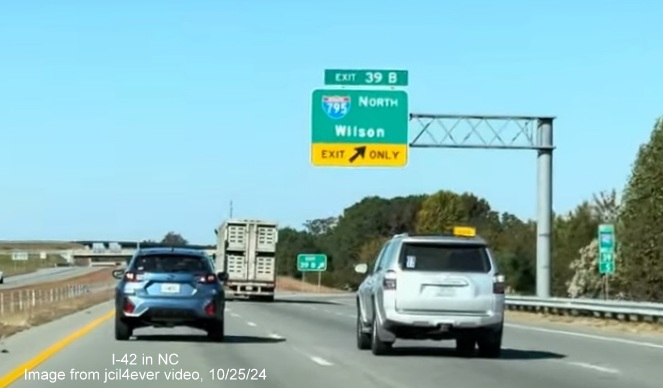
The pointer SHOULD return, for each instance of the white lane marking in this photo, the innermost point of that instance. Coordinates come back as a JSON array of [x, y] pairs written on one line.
[[275, 336], [597, 368], [251, 324], [320, 361], [588, 336], [234, 315]]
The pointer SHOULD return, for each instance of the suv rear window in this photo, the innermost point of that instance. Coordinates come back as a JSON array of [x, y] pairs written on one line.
[[445, 258], [172, 263]]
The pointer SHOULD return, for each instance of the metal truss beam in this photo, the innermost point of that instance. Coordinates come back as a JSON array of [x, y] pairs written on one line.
[[506, 133], [477, 131]]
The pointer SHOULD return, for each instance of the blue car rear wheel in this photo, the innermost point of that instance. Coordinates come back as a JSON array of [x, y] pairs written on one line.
[[216, 331], [122, 331]]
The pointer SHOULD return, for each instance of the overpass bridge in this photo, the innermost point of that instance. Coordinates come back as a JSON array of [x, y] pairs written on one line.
[[110, 253]]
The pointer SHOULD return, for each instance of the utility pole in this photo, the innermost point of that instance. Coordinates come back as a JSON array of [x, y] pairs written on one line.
[[231, 209]]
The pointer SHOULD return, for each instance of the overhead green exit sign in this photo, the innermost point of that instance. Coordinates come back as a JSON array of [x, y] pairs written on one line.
[[366, 77]]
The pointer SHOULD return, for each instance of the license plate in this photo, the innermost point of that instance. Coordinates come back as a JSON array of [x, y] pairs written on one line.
[[170, 288], [445, 291]]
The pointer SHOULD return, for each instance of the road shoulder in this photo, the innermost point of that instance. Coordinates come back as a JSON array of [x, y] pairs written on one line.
[[26, 345]]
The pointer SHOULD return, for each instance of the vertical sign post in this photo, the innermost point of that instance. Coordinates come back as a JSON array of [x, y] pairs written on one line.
[[606, 238]]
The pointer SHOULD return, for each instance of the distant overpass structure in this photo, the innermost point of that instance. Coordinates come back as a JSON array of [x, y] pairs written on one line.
[[113, 252]]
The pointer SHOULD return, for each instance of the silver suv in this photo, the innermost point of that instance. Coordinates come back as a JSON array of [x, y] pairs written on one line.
[[432, 286]]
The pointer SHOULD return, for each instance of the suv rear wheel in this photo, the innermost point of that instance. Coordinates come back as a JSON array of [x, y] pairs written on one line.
[[378, 347], [363, 339], [490, 344], [465, 345]]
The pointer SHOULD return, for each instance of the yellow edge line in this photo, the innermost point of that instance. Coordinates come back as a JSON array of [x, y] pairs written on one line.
[[19, 372]]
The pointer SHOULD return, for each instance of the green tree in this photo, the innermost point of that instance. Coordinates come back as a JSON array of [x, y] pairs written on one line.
[[359, 232], [344, 239], [320, 226], [586, 282], [444, 209], [292, 243], [571, 233], [515, 248], [640, 228], [174, 239], [439, 212]]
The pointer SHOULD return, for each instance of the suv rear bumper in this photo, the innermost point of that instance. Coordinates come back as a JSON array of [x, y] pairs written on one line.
[[438, 327]]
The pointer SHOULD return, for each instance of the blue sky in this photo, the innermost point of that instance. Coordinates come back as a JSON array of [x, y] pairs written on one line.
[[126, 119]]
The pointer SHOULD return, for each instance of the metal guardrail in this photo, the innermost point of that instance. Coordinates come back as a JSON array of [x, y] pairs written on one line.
[[595, 308], [29, 300], [604, 309]]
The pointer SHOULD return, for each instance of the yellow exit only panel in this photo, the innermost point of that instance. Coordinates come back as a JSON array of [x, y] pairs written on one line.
[[359, 155]]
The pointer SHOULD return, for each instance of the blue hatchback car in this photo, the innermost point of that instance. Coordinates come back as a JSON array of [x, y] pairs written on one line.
[[168, 287]]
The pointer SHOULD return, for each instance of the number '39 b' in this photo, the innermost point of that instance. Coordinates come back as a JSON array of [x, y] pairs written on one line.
[[374, 77]]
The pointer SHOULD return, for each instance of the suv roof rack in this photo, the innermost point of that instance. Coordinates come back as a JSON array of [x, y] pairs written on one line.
[[457, 231], [431, 234]]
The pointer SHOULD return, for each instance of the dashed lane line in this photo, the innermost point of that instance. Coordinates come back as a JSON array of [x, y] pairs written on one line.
[[320, 361]]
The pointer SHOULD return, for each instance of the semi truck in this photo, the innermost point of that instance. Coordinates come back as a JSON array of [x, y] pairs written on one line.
[[246, 251]]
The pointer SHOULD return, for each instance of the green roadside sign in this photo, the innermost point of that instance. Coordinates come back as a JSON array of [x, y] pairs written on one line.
[[607, 241], [369, 77], [311, 262], [606, 263], [359, 128]]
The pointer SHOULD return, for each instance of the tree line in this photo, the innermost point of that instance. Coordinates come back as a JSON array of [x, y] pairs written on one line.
[[358, 233]]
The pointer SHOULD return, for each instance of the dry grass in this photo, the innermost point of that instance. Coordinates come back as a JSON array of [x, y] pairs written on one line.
[[289, 284], [11, 323], [34, 262], [38, 245]]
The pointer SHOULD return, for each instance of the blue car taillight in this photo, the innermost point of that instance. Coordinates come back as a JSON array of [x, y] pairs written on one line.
[[128, 307], [210, 309], [208, 279]]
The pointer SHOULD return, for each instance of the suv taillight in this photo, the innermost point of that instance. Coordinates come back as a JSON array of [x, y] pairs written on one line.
[[498, 284], [389, 282], [208, 279]]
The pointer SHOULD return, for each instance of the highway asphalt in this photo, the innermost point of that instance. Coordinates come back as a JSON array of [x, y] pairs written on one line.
[[308, 341], [46, 275]]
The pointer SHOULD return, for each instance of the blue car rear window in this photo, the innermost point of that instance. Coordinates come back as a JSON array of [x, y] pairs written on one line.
[[171, 263]]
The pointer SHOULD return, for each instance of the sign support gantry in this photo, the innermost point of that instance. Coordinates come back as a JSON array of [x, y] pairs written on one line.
[[506, 133]]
